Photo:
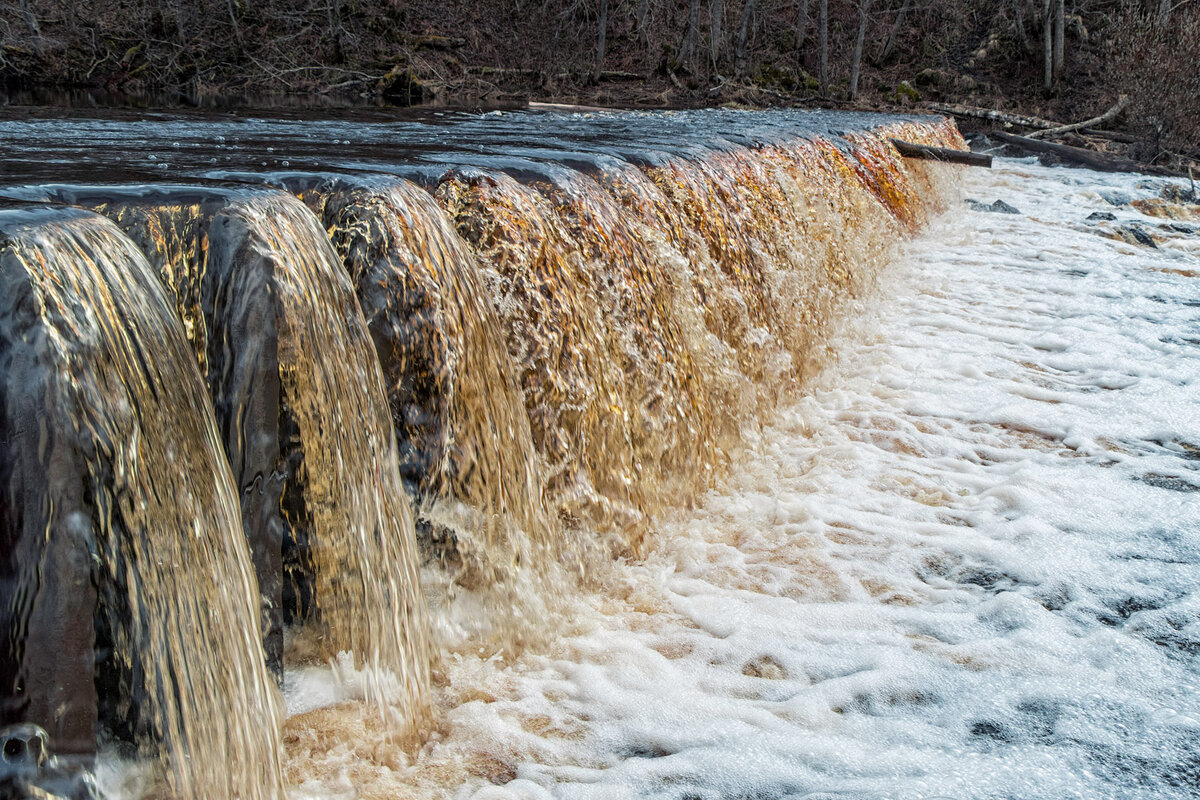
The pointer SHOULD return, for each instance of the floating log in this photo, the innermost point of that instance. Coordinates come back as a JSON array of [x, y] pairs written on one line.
[[910, 150]]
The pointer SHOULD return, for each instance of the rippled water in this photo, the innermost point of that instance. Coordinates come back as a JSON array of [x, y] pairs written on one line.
[[965, 565]]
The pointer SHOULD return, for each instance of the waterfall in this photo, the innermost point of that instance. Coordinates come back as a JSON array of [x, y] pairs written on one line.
[[123, 543], [444, 396]]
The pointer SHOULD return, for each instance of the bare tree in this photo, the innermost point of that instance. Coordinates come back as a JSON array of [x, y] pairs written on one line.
[[743, 36], [643, 10], [802, 25], [890, 45], [601, 40], [864, 8], [1019, 24], [1060, 24], [1047, 48], [687, 48], [716, 16], [823, 43]]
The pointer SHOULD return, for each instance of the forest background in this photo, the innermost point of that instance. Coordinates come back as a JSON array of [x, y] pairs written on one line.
[[1062, 60]]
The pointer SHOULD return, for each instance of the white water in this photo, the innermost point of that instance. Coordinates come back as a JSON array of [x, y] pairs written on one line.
[[966, 565]]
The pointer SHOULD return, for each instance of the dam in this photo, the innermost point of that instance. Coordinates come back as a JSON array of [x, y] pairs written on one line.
[[526, 455]]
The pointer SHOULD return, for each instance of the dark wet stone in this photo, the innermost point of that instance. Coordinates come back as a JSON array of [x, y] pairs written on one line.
[[1101, 216], [1135, 235], [1182, 227], [1169, 482], [1116, 198], [997, 207]]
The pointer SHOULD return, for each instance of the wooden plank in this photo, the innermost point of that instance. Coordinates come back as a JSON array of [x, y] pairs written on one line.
[[931, 153]]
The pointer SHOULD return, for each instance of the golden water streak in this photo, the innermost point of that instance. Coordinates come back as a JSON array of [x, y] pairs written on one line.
[[649, 314], [177, 590], [273, 320]]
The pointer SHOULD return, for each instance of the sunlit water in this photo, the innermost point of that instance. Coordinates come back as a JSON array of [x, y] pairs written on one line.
[[965, 565]]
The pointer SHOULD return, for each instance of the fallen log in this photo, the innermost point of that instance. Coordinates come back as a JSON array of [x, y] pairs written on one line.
[[1107, 116], [974, 112], [946, 154], [1091, 159], [537, 105]]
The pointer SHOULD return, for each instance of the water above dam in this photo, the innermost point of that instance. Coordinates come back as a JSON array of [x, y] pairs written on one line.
[[617, 455]]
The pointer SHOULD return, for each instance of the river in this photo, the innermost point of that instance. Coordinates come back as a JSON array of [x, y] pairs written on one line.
[[964, 565]]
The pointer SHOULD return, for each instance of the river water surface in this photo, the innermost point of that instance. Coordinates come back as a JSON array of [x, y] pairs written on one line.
[[965, 565]]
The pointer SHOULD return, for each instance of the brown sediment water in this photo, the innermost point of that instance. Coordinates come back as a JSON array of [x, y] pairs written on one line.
[[120, 511], [452, 394]]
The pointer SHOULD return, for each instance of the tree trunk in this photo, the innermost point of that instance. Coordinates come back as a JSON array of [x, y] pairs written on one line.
[[823, 43], [1019, 25], [1060, 25], [743, 36], [687, 49], [31, 22], [891, 40], [802, 26], [864, 7], [237, 30], [1047, 48], [643, 11], [601, 41], [716, 15], [1164, 11]]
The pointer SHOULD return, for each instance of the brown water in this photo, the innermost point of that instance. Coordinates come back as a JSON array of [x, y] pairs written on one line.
[[122, 494], [572, 332]]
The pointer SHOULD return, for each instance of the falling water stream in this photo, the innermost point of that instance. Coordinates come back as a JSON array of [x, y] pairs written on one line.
[[617, 455]]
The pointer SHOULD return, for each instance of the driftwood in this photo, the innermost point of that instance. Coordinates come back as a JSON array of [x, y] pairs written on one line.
[[949, 156], [1104, 118], [992, 114], [1083, 157], [535, 105]]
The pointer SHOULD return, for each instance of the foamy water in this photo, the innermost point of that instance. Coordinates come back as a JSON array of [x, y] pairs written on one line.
[[966, 564]]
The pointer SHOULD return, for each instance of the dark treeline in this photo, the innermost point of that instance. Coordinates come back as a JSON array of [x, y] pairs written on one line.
[[1062, 59]]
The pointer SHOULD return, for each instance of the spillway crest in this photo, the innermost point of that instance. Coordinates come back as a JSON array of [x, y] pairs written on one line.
[[373, 408]]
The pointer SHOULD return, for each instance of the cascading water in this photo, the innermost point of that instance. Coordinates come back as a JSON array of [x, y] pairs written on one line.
[[571, 337], [115, 488]]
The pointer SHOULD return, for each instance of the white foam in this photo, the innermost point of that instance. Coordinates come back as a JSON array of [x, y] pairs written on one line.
[[964, 565]]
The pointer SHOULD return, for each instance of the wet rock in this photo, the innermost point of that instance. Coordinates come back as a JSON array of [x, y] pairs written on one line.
[[1169, 482], [1101, 216], [1175, 193], [1180, 227], [1116, 198], [1135, 235], [997, 207]]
